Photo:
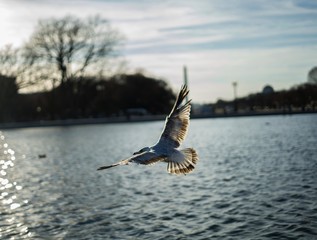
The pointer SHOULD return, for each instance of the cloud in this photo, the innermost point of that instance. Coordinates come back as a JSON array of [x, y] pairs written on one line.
[[254, 42]]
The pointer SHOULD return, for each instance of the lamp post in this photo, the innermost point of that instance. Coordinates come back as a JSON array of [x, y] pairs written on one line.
[[235, 85], [185, 79]]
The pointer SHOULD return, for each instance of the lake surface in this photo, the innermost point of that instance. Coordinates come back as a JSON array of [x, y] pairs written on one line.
[[256, 179]]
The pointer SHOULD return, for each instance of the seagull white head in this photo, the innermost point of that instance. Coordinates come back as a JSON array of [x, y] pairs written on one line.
[[166, 149]]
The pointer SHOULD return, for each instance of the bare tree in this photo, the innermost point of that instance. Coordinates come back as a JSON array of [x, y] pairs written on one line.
[[10, 67], [15, 65], [8, 61], [312, 75], [71, 47]]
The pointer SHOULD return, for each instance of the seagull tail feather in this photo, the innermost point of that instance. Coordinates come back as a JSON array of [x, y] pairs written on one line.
[[185, 166]]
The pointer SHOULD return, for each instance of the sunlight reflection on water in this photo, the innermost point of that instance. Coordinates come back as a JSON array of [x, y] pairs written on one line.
[[10, 195]]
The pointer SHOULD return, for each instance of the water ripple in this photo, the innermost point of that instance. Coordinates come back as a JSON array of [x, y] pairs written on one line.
[[253, 181]]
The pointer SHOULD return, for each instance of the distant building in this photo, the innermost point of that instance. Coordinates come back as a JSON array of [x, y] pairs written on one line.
[[267, 90], [202, 109], [137, 111]]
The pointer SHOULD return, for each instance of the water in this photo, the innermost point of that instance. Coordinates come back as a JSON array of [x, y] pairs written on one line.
[[256, 179]]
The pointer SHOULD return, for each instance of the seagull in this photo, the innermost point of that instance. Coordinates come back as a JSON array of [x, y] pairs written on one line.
[[167, 148]]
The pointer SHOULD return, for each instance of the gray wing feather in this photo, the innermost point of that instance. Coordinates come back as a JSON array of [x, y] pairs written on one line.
[[147, 158], [177, 122]]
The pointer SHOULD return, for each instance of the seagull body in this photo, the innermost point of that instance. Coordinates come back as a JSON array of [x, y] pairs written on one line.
[[167, 148]]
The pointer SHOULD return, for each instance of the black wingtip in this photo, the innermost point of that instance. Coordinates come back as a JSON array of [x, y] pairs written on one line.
[[184, 90], [180, 98], [182, 94], [104, 167], [110, 166]]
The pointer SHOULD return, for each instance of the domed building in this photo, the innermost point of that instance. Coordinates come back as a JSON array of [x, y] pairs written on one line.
[[267, 90]]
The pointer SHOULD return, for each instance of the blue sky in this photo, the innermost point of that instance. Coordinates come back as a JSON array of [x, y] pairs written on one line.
[[253, 42]]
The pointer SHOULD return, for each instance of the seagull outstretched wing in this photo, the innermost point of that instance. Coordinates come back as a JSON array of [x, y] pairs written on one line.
[[177, 122], [146, 158]]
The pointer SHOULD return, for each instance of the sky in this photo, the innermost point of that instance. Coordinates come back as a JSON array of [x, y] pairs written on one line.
[[251, 42]]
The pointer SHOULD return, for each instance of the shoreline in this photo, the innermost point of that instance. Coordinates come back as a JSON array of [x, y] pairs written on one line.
[[132, 119]]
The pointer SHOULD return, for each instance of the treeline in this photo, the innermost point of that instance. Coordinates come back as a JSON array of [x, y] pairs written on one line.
[[72, 67], [87, 98], [302, 97]]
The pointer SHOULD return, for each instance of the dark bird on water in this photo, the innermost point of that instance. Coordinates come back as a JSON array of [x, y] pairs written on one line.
[[167, 148]]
